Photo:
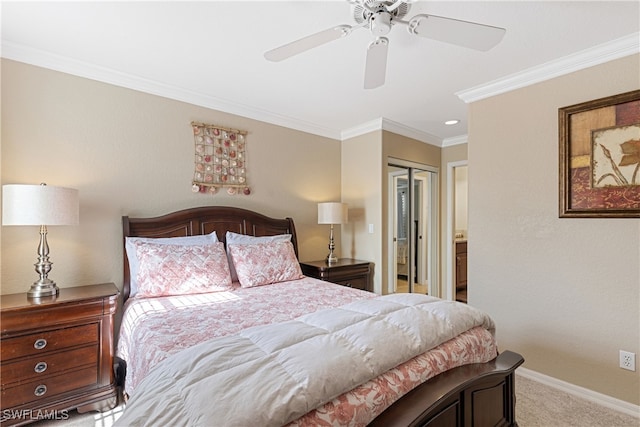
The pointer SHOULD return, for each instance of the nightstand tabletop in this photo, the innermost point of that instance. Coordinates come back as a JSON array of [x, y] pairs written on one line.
[[66, 295], [342, 262]]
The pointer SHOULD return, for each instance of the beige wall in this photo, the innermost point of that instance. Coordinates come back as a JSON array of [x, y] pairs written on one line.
[[460, 208], [364, 187], [361, 181], [131, 153], [564, 292]]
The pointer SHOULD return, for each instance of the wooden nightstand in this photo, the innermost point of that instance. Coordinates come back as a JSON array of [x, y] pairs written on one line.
[[57, 355], [347, 272]]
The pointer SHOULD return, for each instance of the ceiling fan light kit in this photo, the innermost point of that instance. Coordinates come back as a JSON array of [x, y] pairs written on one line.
[[379, 17]]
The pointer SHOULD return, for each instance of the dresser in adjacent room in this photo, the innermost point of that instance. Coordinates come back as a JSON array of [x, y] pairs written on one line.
[[461, 270]]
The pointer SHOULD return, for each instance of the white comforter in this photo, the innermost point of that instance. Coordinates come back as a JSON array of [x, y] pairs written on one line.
[[270, 375]]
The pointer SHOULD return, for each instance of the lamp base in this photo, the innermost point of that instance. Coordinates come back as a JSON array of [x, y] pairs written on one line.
[[44, 288], [331, 258]]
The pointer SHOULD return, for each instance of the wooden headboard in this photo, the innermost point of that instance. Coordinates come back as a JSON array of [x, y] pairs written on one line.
[[203, 220]]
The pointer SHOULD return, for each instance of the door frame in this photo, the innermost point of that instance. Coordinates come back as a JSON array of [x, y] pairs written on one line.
[[449, 270], [433, 283]]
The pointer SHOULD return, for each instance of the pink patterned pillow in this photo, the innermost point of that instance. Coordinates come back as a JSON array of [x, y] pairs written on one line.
[[179, 270], [264, 263]]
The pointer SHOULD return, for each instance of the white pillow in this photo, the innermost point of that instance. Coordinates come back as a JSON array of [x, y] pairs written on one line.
[[134, 262], [242, 239]]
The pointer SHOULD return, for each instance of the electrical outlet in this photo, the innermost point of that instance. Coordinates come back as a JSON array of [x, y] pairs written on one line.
[[627, 360]]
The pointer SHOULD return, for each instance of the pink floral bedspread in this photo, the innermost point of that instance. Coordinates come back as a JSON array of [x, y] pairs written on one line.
[[362, 404], [154, 328]]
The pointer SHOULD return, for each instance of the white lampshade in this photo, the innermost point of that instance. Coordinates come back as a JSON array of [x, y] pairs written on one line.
[[332, 213], [39, 205]]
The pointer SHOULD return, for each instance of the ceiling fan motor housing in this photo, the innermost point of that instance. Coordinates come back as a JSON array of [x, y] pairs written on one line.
[[370, 10], [380, 23]]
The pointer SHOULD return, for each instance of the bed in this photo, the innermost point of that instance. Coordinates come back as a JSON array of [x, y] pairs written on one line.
[[186, 353]]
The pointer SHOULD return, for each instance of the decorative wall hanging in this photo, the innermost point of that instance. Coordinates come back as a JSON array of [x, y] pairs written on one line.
[[220, 160], [600, 158]]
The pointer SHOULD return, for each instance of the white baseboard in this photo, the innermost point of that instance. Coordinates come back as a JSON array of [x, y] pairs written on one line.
[[584, 393]]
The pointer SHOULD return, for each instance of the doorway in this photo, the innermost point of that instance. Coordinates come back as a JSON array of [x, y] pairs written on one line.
[[413, 248], [454, 275]]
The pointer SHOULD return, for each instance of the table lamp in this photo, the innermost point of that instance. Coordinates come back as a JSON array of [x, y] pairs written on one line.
[[332, 213], [40, 205]]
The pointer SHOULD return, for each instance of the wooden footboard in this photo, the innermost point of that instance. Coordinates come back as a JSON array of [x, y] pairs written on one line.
[[478, 395]]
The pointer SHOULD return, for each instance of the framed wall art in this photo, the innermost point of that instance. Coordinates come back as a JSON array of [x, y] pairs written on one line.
[[600, 158]]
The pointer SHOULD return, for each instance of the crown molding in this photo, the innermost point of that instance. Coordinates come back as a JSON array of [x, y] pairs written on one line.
[[39, 58], [456, 140], [615, 49], [362, 129], [67, 65], [381, 123], [409, 132]]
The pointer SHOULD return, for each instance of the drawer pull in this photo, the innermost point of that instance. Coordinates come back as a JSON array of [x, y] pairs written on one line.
[[40, 390], [40, 344], [40, 367]]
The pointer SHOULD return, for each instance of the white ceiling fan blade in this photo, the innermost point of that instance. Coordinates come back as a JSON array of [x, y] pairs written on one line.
[[461, 33], [376, 66], [306, 43], [396, 4]]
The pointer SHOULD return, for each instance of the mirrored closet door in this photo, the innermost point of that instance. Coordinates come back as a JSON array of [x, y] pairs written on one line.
[[413, 228]]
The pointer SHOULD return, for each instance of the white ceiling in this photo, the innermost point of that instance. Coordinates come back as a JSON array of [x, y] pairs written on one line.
[[211, 54]]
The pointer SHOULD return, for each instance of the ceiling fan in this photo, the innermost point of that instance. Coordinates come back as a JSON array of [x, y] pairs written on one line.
[[379, 16]]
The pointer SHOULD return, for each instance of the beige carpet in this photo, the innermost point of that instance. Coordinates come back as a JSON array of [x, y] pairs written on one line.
[[537, 406]]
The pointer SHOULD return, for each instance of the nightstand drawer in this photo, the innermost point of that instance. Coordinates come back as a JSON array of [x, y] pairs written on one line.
[[48, 314], [50, 386], [346, 272], [358, 282], [46, 341], [58, 354], [37, 367]]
